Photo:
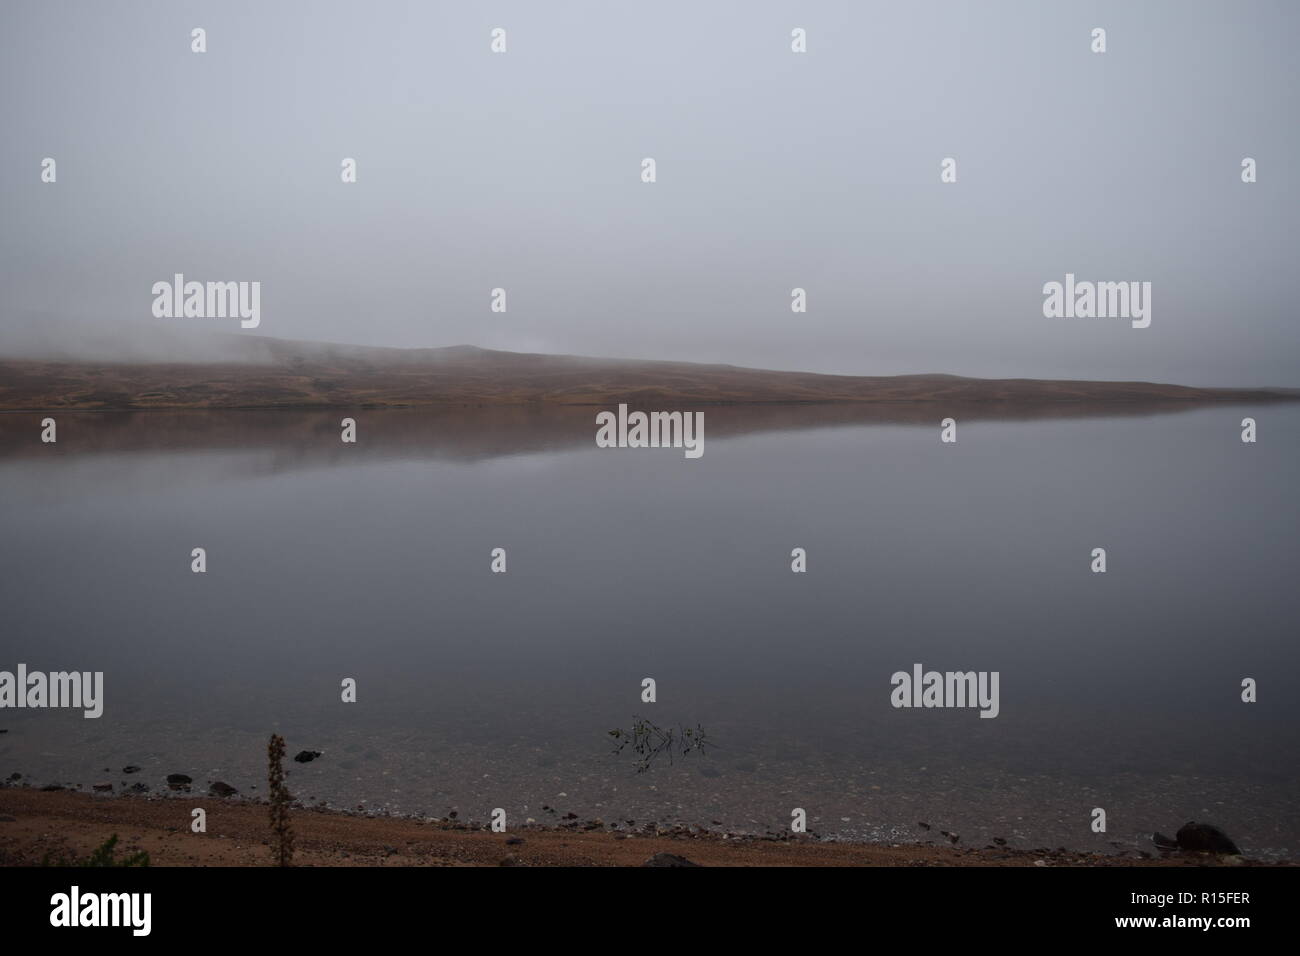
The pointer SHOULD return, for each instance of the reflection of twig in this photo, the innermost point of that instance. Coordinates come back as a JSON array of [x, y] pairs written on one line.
[[649, 740]]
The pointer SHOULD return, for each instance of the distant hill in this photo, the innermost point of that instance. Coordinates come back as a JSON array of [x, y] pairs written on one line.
[[261, 372]]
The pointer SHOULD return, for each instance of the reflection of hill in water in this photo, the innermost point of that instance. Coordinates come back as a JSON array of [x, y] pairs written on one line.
[[308, 438]]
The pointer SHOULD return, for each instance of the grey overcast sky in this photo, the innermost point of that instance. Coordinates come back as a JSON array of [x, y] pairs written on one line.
[[775, 170]]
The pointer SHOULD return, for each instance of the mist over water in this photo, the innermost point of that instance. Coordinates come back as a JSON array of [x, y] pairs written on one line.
[[478, 690]]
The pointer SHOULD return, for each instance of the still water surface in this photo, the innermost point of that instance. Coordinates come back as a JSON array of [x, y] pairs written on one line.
[[479, 690]]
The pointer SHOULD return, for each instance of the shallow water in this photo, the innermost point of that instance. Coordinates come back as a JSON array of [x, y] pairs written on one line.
[[479, 690]]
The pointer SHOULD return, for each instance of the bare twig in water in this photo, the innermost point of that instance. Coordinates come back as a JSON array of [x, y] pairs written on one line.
[[281, 830], [648, 741]]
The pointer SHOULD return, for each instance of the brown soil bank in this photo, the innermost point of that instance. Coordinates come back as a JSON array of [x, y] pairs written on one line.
[[275, 373], [36, 825]]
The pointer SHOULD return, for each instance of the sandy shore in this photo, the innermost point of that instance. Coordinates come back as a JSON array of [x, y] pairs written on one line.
[[36, 824]]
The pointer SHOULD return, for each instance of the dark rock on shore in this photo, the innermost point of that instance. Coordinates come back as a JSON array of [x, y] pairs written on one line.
[[103, 787], [1206, 838], [1199, 838], [306, 756], [130, 768], [222, 789], [179, 781], [668, 859]]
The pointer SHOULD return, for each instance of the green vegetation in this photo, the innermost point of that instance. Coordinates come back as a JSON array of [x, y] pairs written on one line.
[[103, 855]]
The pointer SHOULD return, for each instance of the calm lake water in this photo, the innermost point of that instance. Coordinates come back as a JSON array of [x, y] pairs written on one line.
[[479, 690]]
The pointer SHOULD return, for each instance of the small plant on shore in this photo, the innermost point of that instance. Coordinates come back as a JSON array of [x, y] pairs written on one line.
[[102, 856], [281, 829], [649, 741]]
